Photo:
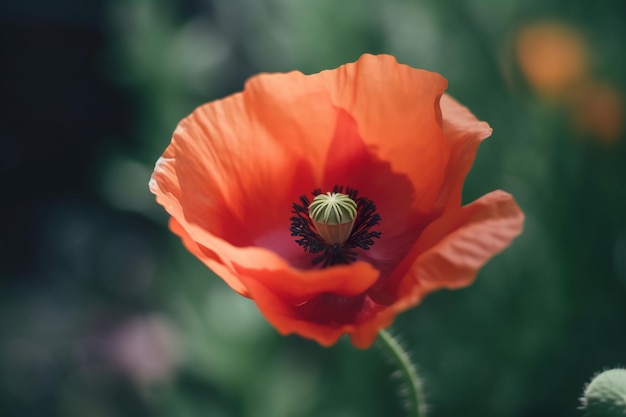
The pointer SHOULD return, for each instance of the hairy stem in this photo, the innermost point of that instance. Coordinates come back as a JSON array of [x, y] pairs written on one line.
[[401, 359]]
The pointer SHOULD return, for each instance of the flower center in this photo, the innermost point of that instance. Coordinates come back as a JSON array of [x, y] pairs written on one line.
[[334, 225], [333, 216]]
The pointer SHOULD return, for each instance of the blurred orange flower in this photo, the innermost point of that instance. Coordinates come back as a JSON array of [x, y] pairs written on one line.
[[240, 171], [552, 56], [598, 109]]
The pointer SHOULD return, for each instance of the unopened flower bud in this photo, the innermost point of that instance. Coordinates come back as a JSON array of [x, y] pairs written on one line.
[[605, 395], [333, 216]]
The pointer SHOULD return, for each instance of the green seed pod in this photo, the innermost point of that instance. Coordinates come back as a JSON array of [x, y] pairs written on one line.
[[332, 208], [333, 216], [605, 395]]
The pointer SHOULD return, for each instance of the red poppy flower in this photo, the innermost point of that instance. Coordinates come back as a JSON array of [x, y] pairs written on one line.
[[240, 171]]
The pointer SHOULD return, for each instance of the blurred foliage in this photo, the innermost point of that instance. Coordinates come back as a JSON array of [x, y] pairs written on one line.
[[103, 313]]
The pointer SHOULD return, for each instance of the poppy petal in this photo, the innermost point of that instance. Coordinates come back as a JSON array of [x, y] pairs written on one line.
[[238, 266], [276, 104], [451, 251], [464, 133], [298, 286], [279, 293], [210, 259], [396, 109], [453, 248], [222, 165], [164, 184], [285, 320], [226, 166]]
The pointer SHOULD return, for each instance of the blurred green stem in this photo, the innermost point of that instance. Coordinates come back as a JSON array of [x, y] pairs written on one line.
[[403, 361]]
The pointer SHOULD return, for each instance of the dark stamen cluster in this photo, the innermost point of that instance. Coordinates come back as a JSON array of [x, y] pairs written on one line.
[[361, 237]]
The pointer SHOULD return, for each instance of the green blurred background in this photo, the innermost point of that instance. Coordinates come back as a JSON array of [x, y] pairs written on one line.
[[104, 314]]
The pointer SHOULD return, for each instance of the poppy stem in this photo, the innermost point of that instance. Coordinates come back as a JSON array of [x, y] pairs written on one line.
[[401, 358]]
